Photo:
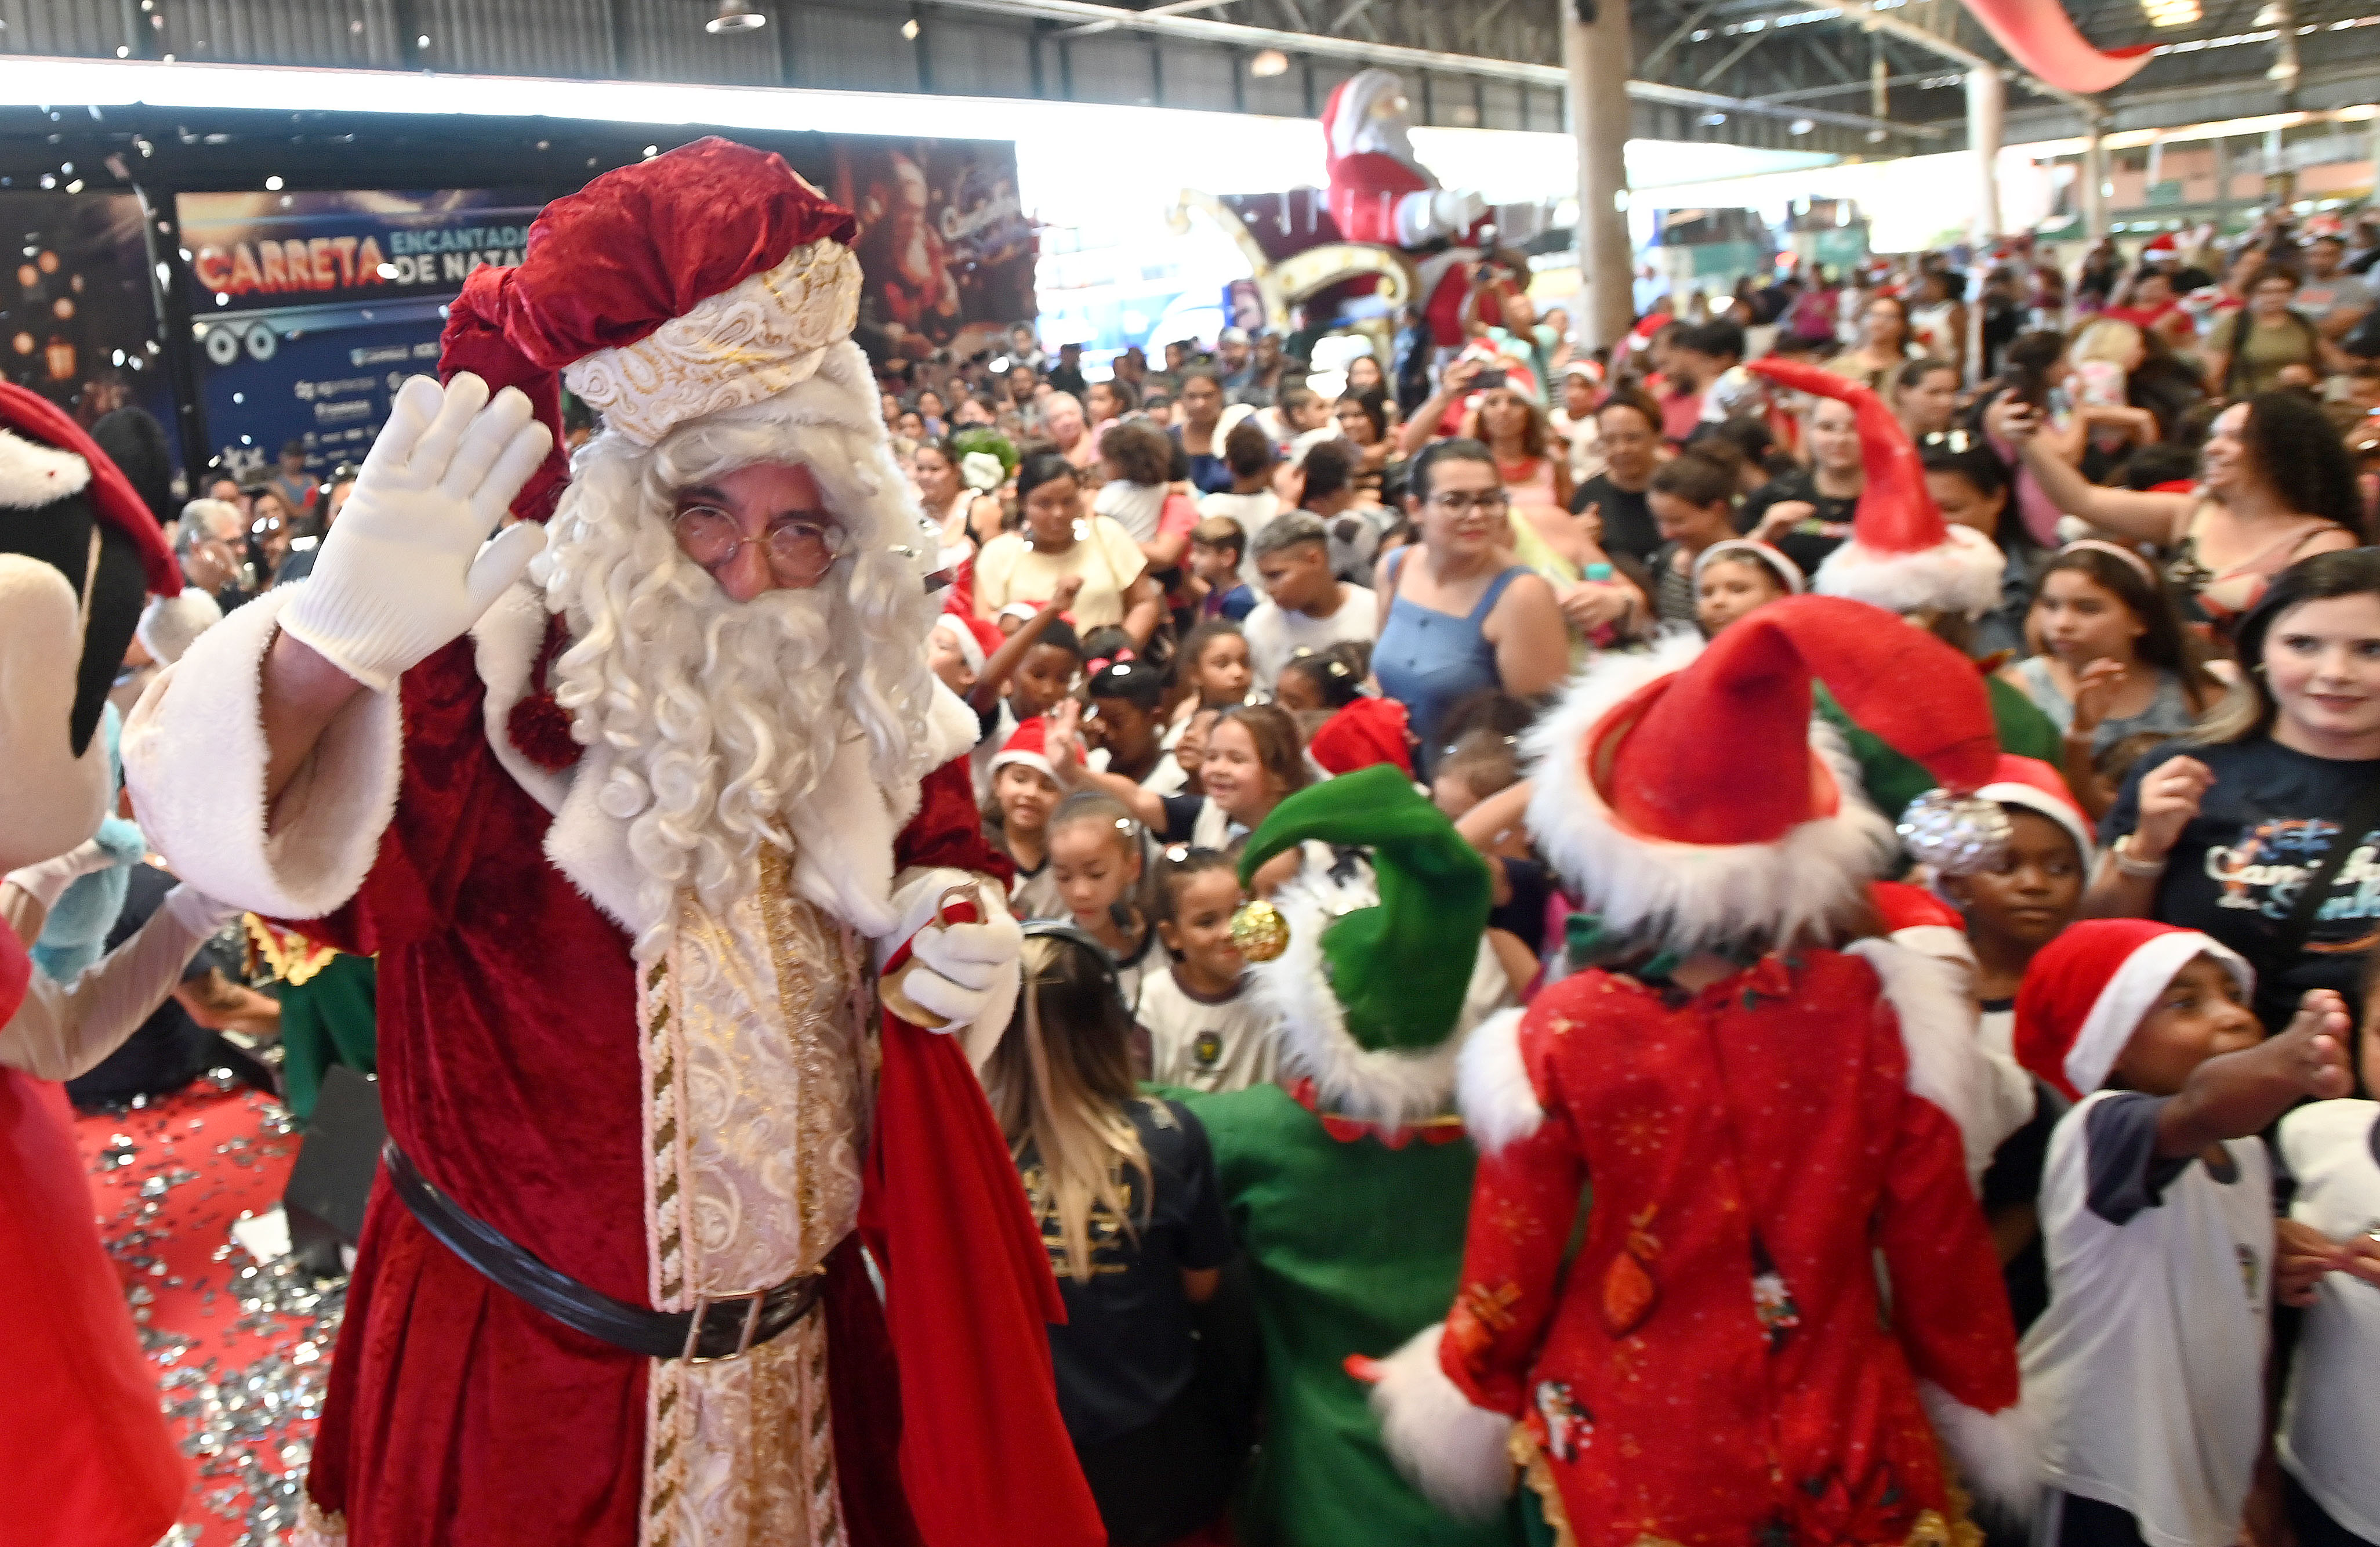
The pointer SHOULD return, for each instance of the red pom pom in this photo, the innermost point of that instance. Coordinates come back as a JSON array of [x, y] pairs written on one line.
[[540, 728]]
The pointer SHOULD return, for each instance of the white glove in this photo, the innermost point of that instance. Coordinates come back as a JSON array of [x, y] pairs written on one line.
[[46, 881], [197, 912], [404, 572], [1452, 209], [959, 971]]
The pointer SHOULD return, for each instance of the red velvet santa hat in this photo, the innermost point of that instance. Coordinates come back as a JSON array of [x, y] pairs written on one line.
[[704, 279], [974, 639], [1688, 796], [2041, 789], [1029, 743], [1365, 731], [2088, 990], [1901, 555]]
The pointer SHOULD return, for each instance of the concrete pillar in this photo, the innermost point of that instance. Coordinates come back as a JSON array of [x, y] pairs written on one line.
[[1597, 54], [2222, 149], [1987, 115], [2095, 180]]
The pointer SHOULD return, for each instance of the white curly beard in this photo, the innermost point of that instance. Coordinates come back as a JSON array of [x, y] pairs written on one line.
[[719, 716]]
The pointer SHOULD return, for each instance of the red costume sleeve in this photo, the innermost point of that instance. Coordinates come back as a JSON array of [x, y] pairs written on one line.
[[948, 828], [1948, 1307], [1523, 1200], [1364, 191]]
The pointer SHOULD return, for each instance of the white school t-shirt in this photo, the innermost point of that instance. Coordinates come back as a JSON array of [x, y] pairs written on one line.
[[2330, 1425], [1275, 634], [1205, 1045], [2145, 1376]]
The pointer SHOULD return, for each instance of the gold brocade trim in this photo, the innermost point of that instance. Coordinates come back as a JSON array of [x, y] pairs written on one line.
[[799, 977], [1538, 1474], [317, 1528], [1931, 1529], [285, 953]]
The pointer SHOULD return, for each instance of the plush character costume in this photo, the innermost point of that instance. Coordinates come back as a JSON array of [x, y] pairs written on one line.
[[90, 1461], [1715, 1365], [628, 1050], [1380, 192], [1348, 1181], [1904, 558]]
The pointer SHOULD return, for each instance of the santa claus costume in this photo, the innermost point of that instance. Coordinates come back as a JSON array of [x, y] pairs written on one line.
[[89, 1461], [639, 861], [1762, 1111], [1380, 192], [1349, 1179], [1904, 558]]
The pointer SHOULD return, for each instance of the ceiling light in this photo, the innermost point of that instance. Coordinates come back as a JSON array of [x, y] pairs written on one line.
[[1271, 61], [1800, 126], [734, 16], [2170, 13], [909, 29]]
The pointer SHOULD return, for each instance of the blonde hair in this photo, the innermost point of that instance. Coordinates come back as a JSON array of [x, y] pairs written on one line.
[[1060, 1084], [2107, 338]]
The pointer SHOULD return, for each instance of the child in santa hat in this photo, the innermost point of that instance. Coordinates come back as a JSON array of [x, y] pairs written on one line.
[[2145, 1376], [1023, 793], [2009, 911], [1768, 1101], [1904, 558]]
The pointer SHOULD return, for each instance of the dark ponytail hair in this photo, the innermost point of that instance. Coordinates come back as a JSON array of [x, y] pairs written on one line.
[[1043, 466]]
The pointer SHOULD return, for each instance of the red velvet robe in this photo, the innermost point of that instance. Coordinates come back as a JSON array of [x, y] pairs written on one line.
[[509, 1075], [1715, 1365]]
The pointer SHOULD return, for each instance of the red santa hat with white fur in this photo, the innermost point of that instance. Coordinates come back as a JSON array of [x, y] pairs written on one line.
[[703, 281], [1902, 555], [2088, 990], [1691, 801]]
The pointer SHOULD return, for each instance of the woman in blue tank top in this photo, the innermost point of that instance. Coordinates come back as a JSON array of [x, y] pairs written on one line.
[[1462, 616]]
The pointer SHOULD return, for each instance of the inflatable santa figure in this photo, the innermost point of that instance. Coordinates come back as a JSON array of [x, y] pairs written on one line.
[[1380, 192], [88, 1458], [667, 849]]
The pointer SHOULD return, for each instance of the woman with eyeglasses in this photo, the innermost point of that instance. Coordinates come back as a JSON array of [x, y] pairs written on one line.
[[1461, 615], [1062, 537]]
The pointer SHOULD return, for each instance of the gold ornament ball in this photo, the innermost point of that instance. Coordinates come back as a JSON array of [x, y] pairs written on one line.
[[1259, 931]]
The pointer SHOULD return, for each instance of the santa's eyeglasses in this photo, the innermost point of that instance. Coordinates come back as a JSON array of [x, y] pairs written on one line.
[[796, 546]]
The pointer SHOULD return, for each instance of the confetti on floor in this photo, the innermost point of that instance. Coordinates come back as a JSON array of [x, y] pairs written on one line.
[[242, 1350]]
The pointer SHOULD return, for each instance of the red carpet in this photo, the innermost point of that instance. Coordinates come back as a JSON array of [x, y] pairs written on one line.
[[242, 1351]]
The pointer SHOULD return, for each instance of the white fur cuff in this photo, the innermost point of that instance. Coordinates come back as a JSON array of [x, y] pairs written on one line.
[[194, 755], [1456, 1453], [1499, 1105], [1946, 1061], [1998, 1453]]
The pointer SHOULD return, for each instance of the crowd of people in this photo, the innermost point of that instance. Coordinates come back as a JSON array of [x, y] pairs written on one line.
[[1200, 590], [1600, 943]]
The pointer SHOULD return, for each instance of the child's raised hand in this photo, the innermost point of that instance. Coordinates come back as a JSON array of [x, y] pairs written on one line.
[[1062, 594], [2316, 1044], [2300, 1256]]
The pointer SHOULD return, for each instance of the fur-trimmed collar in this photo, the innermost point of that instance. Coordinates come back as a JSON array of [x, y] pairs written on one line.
[[843, 834], [1391, 1088], [32, 475]]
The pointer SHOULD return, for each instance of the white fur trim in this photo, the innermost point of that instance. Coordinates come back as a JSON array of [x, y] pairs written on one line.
[[1492, 1086], [765, 333], [1383, 1086], [1690, 894], [1998, 1453], [1946, 1061], [2129, 996], [194, 754], [33, 475], [1456, 1453], [505, 643], [1960, 575], [2040, 802], [169, 625], [55, 799]]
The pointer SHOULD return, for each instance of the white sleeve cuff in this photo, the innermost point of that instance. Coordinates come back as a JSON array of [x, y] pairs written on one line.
[[194, 755]]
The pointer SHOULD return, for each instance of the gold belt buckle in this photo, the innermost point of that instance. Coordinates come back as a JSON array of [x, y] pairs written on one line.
[[702, 1303]]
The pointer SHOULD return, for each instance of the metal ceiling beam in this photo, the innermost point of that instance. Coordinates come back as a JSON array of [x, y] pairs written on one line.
[[1550, 78], [1173, 7], [1677, 35], [1900, 27], [1743, 46]]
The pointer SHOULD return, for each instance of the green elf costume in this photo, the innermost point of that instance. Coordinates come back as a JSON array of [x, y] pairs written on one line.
[[1349, 1182]]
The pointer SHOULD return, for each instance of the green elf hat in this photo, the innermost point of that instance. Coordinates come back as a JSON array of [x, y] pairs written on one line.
[[1398, 966]]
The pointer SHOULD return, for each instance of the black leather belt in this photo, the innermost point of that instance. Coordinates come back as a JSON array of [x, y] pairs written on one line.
[[720, 1328]]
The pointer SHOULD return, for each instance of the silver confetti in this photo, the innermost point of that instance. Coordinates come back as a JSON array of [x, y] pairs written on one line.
[[1956, 834]]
